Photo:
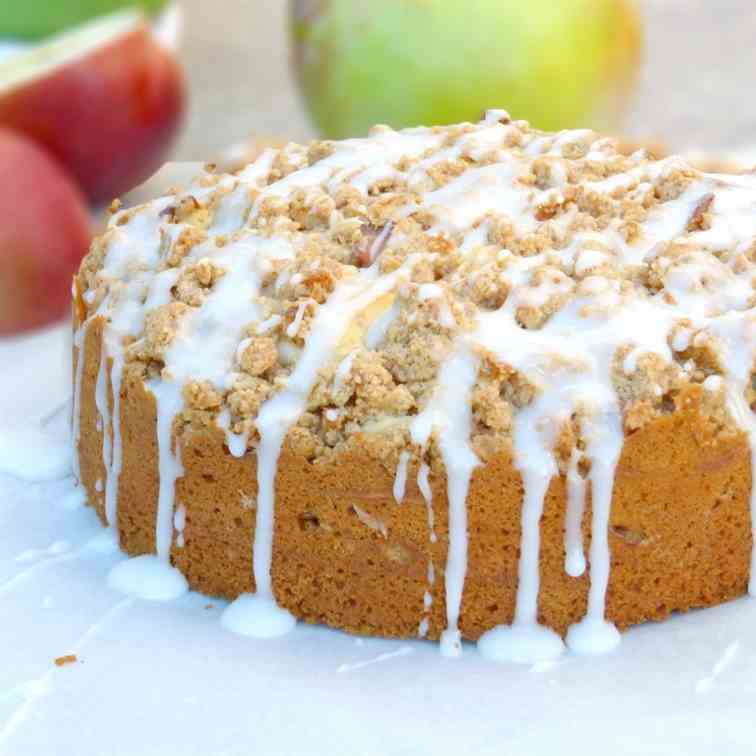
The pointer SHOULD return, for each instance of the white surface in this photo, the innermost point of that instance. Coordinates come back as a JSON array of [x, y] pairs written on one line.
[[166, 678]]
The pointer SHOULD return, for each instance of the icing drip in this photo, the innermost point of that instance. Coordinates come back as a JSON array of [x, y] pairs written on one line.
[[535, 483], [293, 329], [450, 415], [593, 634], [574, 563], [101, 402], [377, 331], [169, 404], [342, 371], [250, 614], [574, 380], [400, 481], [110, 426], [113, 473], [179, 522], [733, 331], [425, 490], [79, 339], [526, 641], [236, 442]]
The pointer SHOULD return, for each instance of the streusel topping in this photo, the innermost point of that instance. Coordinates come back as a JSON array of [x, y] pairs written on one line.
[[492, 214]]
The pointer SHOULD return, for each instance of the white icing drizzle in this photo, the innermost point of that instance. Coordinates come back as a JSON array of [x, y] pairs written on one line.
[[79, 340], [573, 375], [425, 490], [218, 322], [179, 522], [449, 413], [268, 324], [110, 426], [103, 407], [276, 417], [169, 404], [376, 333], [113, 473], [536, 482], [574, 563], [343, 370], [400, 480], [133, 290], [427, 493], [593, 634], [236, 442], [733, 332], [293, 329]]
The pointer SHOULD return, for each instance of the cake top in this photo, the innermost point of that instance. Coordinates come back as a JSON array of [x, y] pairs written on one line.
[[560, 278]]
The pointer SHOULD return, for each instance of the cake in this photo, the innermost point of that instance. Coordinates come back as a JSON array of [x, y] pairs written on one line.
[[474, 381]]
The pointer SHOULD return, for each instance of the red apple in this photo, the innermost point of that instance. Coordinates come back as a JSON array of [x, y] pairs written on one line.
[[106, 99], [44, 233]]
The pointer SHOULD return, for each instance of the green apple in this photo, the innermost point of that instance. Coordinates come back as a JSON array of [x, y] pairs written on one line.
[[557, 63], [31, 19]]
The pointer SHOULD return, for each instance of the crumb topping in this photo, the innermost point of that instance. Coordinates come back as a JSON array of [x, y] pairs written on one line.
[[547, 252]]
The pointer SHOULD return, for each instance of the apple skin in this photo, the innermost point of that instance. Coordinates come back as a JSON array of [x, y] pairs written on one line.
[[557, 63], [108, 116], [33, 19], [44, 234]]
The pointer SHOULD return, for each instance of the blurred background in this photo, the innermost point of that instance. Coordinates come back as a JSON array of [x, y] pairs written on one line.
[[95, 95], [696, 75]]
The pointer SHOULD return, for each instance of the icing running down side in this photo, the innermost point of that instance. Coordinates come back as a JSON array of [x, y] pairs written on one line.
[[445, 296], [427, 494], [280, 412], [448, 413]]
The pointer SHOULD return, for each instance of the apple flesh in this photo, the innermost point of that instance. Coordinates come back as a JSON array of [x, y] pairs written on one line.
[[43, 235], [556, 63], [106, 99], [31, 19]]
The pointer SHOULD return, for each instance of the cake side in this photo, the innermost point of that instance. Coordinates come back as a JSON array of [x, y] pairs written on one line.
[[346, 554]]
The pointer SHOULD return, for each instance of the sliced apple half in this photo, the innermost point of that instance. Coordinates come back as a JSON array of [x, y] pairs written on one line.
[[105, 98]]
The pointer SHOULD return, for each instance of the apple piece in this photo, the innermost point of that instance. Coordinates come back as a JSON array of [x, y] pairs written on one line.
[[106, 99], [558, 63], [32, 19], [44, 234]]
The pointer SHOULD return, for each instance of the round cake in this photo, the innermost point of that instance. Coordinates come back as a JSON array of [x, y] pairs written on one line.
[[474, 381]]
